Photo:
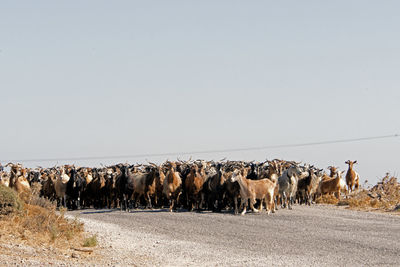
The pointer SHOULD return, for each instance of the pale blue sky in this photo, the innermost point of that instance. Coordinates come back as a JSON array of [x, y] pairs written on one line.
[[96, 78]]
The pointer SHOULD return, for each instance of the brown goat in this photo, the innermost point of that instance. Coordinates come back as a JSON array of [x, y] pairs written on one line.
[[333, 170], [18, 179], [48, 189], [172, 185], [21, 183], [193, 185], [331, 185], [159, 186], [232, 189], [352, 177]]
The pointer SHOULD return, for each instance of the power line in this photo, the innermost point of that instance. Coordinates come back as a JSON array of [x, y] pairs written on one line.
[[207, 151]]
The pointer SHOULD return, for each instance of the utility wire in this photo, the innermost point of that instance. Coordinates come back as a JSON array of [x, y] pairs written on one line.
[[207, 151]]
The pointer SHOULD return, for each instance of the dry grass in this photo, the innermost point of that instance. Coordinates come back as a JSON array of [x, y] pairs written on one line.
[[384, 196], [327, 199], [9, 201], [36, 222]]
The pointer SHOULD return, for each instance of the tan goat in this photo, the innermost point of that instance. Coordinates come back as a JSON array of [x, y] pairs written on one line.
[[21, 183], [254, 189], [4, 179], [18, 179], [172, 185], [331, 185], [352, 177], [60, 186]]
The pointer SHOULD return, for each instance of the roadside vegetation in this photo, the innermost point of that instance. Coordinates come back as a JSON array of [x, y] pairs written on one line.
[[384, 196], [34, 220]]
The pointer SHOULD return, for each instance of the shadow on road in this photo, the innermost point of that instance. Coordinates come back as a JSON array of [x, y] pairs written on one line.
[[99, 211], [162, 210]]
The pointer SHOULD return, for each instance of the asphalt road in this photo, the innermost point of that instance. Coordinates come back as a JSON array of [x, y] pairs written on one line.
[[306, 236]]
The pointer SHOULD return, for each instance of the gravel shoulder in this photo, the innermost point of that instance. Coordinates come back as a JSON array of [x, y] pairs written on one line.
[[317, 235]]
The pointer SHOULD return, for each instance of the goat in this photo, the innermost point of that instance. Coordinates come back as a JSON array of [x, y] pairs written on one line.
[[48, 188], [331, 185], [21, 183], [172, 188], [18, 179], [151, 184], [253, 172], [144, 185], [159, 183], [213, 189], [231, 189], [125, 185], [193, 187], [333, 171], [312, 186], [34, 177], [60, 187], [110, 188], [273, 175], [4, 179], [352, 177], [288, 184], [96, 191], [75, 186], [254, 189]]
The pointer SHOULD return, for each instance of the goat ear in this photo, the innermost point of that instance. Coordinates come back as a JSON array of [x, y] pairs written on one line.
[[355, 161]]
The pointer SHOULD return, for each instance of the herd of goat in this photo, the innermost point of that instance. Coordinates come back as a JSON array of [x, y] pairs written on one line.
[[193, 185]]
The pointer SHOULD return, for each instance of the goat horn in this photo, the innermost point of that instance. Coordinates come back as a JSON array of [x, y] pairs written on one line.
[[153, 164]]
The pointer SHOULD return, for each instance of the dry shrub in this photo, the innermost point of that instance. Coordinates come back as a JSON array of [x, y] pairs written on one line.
[[38, 222], [385, 196], [327, 199], [36, 200], [9, 201]]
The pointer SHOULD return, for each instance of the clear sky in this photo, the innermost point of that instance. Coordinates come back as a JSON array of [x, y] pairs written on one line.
[[99, 78]]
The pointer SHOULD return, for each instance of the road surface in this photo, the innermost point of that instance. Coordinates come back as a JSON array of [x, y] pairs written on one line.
[[305, 236]]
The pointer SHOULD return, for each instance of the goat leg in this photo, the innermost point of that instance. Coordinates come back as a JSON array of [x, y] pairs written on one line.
[[252, 201], [171, 205], [236, 204], [244, 204], [149, 201]]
